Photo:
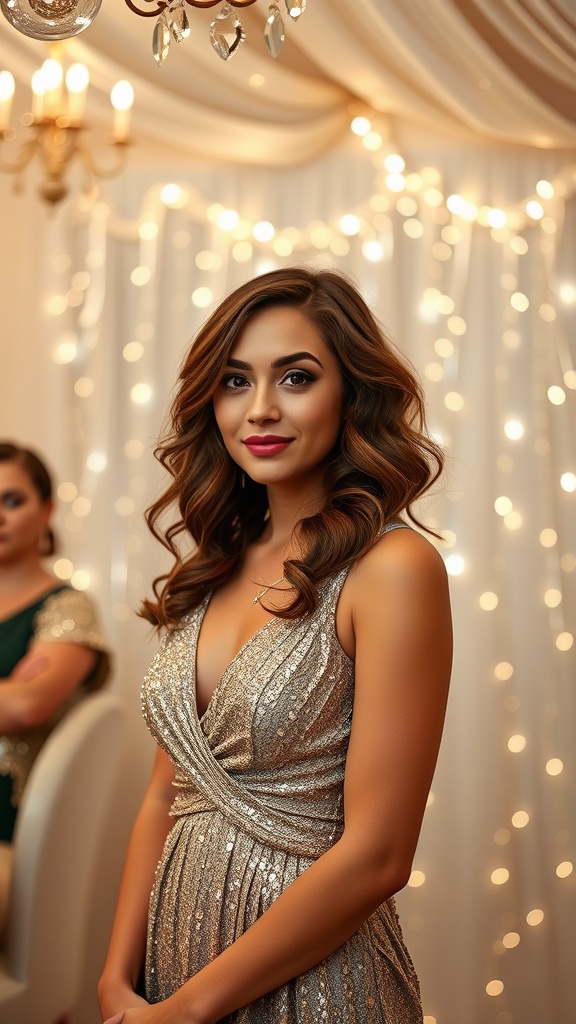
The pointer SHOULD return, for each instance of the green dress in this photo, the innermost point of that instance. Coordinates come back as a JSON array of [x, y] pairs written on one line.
[[60, 615]]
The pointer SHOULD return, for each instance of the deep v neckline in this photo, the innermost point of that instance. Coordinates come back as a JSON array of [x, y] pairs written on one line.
[[220, 682]]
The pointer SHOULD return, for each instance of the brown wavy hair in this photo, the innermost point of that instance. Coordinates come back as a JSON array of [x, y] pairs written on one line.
[[382, 462]]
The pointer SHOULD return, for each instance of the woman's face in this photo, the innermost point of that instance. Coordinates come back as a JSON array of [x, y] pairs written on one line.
[[279, 403], [24, 516]]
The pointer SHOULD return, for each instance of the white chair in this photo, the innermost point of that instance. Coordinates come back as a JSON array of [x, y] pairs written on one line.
[[59, 830]]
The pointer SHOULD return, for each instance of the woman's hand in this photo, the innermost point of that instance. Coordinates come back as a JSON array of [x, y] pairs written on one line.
[[171, 1011], [112, 995]]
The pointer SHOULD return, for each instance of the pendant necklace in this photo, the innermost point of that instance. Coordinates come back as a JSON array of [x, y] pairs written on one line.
[[256, 599]]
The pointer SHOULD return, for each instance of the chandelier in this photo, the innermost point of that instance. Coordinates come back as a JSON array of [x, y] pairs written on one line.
[[56, 124], [61, 19]]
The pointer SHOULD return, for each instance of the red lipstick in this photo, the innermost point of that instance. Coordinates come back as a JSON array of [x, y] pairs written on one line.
[[266, 444]]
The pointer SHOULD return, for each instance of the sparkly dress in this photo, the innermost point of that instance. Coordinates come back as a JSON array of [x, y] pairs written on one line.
[[259, 781]]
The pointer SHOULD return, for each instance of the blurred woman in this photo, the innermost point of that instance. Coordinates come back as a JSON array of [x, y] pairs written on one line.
[[51, 648]]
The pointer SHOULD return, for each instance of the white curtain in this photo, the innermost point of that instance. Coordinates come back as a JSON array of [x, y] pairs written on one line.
[[487, 315]]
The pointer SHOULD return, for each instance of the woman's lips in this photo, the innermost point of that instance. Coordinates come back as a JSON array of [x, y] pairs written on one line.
[[268, 444]]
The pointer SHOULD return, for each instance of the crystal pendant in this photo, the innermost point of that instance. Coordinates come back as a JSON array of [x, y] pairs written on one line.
[[295, 8], [226, 32], [274, 30], [161, 40], [50, 19], [179, 23]]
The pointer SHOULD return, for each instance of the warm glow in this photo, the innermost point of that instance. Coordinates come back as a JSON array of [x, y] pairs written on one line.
[[360, 126], [504, 670], [535, 917], [520, 819], [556, 395], [455, 565], [97, 462], [500, 876], [122, 95], [568, 482], [350, 224], [264, 231], [516, 743], [77, 78], [503, 505], [495, 988], [514, 430], [564, 641], [417, 878], [554, 766], [488, 601], [548, 538]]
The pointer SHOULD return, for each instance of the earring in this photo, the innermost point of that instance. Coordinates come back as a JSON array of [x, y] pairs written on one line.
[[242, 479]]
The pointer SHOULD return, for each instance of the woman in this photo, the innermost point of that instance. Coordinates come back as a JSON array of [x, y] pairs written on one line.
[[51, 647], [298, 696]]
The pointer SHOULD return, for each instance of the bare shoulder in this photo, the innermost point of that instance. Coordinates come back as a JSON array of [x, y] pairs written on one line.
[[399, 586], [400, 558]]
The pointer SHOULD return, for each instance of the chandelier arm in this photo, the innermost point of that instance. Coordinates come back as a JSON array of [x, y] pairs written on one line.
[[90, 165], [26, 153], [161, 6], [212, 3]]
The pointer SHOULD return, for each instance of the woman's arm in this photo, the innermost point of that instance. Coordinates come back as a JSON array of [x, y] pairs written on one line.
[[399, 618], [41, 682], [127, 944]]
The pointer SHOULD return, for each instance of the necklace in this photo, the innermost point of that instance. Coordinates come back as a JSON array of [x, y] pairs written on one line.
[[256, 599]]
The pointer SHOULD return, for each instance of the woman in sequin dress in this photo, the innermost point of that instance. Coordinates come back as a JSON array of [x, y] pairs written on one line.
[[298, 695]]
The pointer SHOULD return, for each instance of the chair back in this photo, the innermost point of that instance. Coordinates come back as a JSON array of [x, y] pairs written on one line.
[[58, 834]]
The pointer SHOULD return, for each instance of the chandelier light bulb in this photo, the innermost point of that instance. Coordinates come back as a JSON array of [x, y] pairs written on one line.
[[6, 96], [77, 78], [50, 19]]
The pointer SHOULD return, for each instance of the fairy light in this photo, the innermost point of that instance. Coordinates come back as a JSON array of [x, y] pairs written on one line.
[[514, 430], [264, 231], [133, 351], [520, 819], [141, 394], [202, 297], [516, 743], [500, 876], [141, 276]]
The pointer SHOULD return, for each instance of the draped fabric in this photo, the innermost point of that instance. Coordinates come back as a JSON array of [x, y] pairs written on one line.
[[260, 779], [496, 70], [99, 303]]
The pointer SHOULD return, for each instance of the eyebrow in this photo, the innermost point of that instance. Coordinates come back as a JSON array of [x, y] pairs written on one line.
[[239, 364]]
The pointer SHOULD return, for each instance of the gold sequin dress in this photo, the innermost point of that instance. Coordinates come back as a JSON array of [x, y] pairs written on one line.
[[259, 782]]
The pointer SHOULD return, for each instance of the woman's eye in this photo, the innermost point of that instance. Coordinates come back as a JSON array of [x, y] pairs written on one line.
[[234, 381], [297, 377], [12, 500]]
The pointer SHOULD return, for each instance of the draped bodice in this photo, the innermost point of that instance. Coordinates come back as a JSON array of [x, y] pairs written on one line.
[[269, 752]]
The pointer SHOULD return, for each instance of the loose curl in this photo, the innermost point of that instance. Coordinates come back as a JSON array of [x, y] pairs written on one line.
[[383, 460]]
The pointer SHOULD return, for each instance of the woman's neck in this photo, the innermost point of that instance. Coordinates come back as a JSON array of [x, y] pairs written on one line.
[[287, 507], [23, 577]]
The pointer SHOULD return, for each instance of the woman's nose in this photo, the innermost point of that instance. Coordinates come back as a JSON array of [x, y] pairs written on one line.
[[263, 405]]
